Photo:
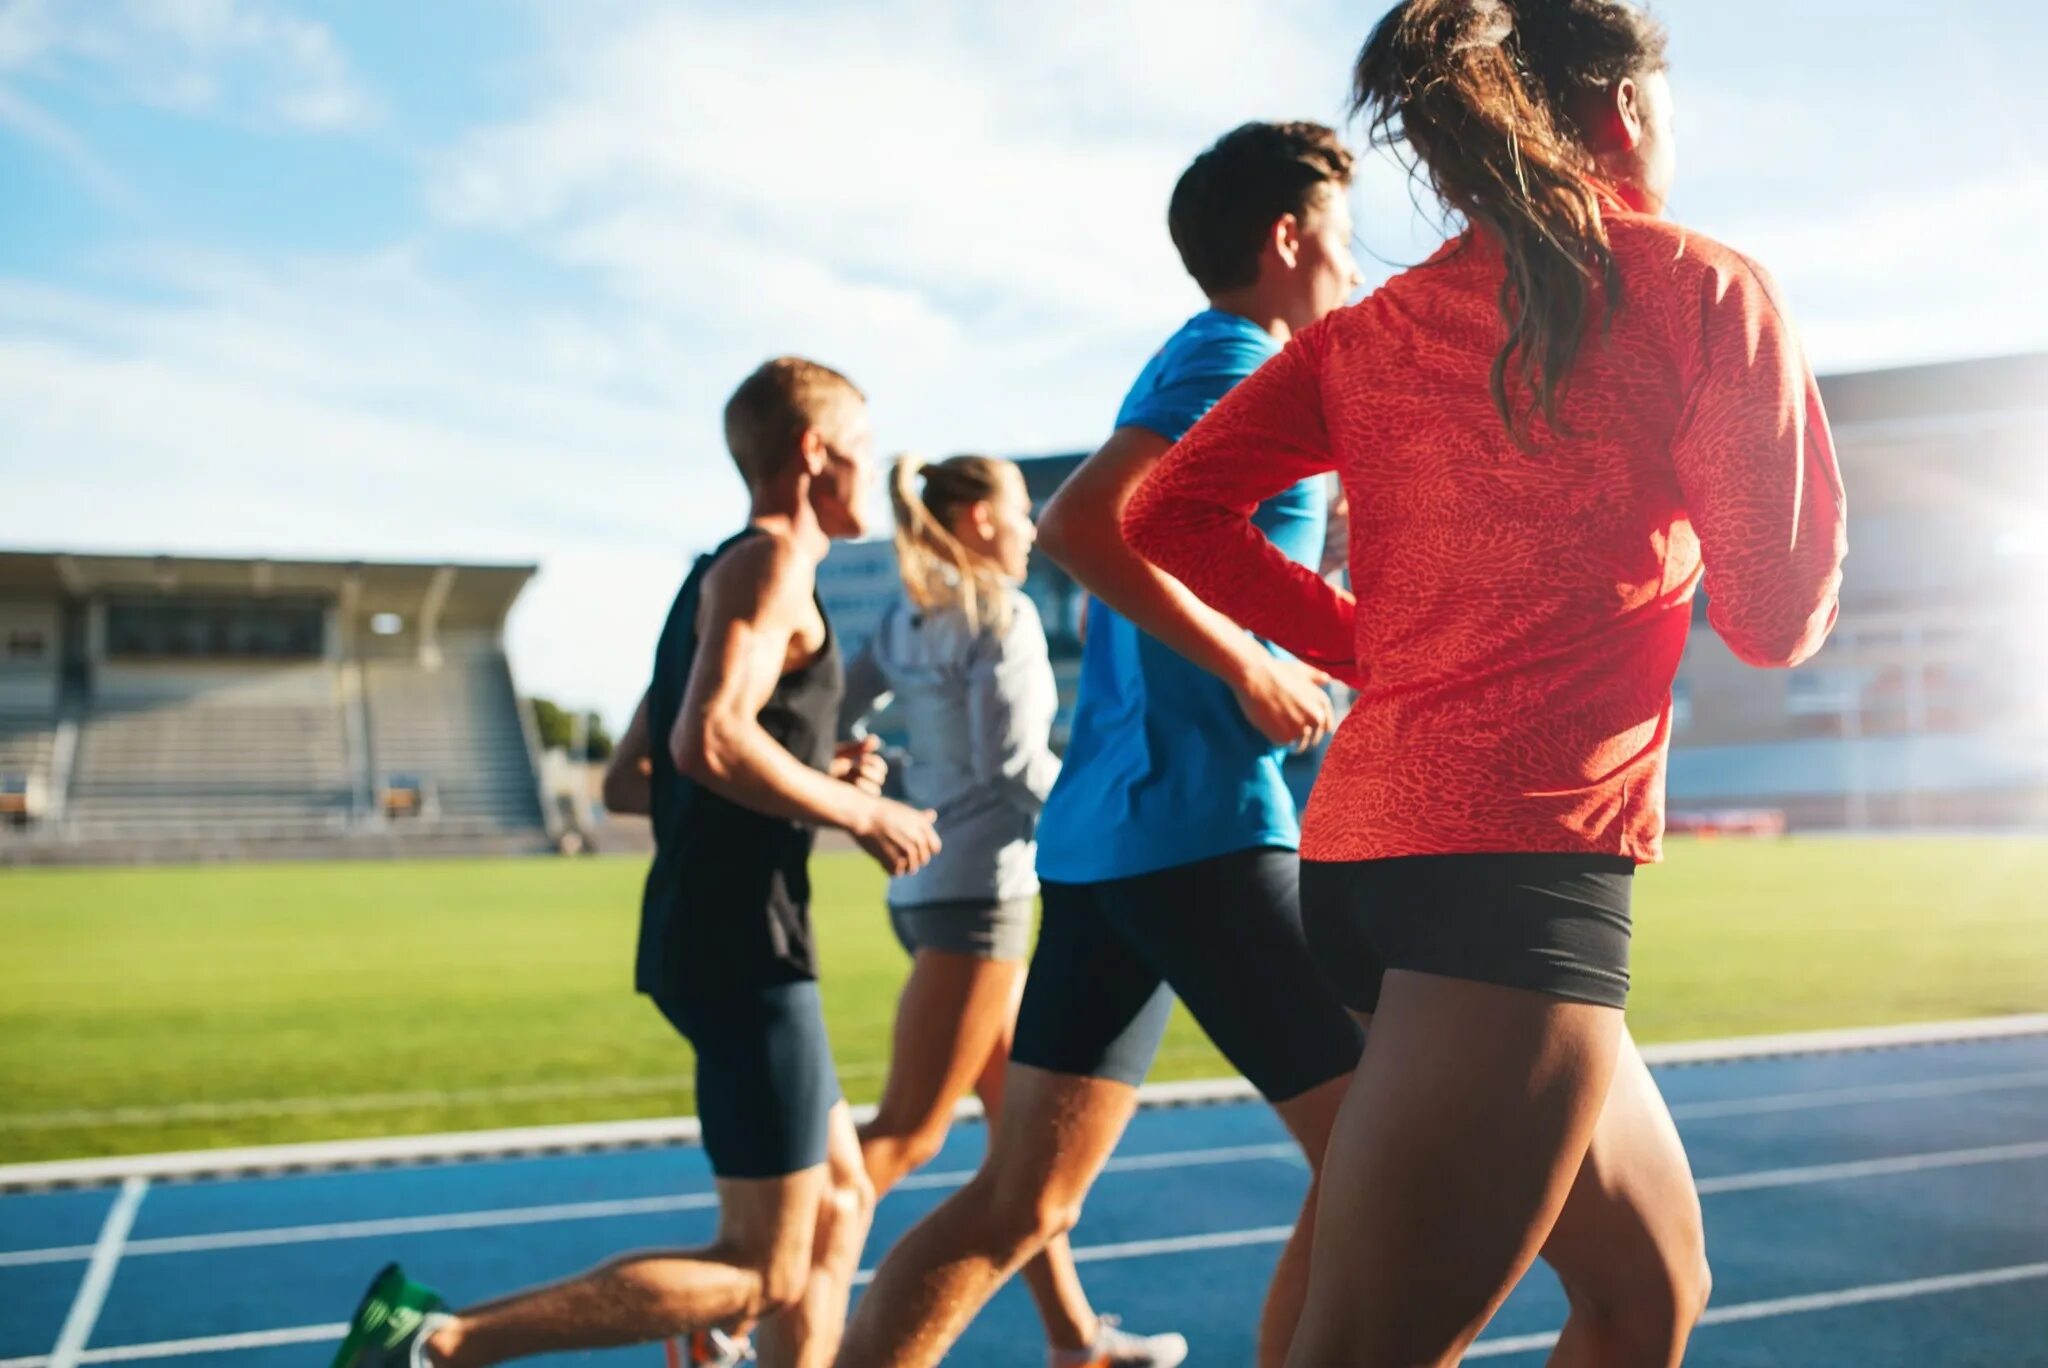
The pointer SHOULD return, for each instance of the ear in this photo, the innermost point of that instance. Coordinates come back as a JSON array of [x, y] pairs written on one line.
[[1610, 118], [811, 451], [983, 519], [1628, 109], [1286, 240]]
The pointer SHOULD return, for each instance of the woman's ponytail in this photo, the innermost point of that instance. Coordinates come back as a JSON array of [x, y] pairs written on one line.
[[938, 570]]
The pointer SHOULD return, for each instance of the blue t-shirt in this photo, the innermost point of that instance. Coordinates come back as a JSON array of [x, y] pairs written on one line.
[[1162, 767]]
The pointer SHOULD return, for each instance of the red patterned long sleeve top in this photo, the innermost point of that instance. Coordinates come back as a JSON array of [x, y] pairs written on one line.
[[1519, 614]]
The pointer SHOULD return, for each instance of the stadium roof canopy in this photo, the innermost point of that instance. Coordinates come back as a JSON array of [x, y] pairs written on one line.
[[455, 594], [1995, 390]]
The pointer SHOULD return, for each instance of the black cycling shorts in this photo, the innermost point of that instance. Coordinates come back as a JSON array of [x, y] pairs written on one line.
[[1556, 924], [766, 1085], [1223, 933]]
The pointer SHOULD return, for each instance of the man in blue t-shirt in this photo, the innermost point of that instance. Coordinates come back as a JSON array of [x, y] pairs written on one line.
[[1167, 848]]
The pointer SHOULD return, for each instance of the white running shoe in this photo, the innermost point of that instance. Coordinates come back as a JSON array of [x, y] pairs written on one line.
[[1116, 1347], [712, 1349]]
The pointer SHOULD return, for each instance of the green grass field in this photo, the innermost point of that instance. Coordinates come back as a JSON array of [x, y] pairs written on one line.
[[150, 1009]]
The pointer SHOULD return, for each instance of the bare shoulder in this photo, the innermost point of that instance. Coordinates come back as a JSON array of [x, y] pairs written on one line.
[[765, 575]]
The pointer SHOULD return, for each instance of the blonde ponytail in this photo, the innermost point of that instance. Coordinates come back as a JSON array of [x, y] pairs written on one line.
[[938, 570]]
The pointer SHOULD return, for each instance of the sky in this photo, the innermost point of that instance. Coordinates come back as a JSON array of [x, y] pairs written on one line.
[[471, 281]]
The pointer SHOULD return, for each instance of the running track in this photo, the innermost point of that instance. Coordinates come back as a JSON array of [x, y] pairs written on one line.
[[1864, 1207]]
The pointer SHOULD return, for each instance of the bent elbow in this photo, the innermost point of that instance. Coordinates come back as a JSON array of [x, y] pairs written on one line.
[[627, 786], [1780, 647], [700, 752], [1157, 528], [1056, 533], [1141, 530]]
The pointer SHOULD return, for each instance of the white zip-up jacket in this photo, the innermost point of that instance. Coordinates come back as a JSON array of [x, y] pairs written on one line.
[[979, 708]]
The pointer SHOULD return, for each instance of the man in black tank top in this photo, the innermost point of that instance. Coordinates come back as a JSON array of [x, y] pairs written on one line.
[[731, 754]]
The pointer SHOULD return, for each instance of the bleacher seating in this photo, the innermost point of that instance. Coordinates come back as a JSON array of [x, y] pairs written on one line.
[[28, 743], [457, 727], [28, 730], [218, 750]]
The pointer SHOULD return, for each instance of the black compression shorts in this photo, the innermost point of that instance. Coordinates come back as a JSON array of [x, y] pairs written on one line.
[[765, 1081], [1223, 933], [1556, 924]]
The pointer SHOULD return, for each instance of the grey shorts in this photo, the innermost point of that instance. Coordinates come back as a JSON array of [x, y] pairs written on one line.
[[989, 930]]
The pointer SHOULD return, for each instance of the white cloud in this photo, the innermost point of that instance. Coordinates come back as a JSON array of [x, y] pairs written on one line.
[[238, 58], [1005, 169], [963, 205], [354, 407], [54, 136]]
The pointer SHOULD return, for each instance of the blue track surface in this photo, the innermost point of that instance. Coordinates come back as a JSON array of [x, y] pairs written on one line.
[[1884, 1207]]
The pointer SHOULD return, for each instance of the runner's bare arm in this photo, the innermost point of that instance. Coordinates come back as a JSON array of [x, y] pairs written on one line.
[[1081, 529], [754, 603], [627, 784]]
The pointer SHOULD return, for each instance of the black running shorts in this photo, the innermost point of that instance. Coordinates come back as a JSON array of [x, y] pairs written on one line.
[[765, 1081], [1556, 924], [1223, 933]]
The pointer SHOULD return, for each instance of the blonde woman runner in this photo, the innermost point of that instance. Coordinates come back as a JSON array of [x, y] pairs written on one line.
[[964, 655]]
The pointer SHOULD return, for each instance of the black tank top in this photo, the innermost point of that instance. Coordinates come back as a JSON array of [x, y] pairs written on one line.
[[728, 896]]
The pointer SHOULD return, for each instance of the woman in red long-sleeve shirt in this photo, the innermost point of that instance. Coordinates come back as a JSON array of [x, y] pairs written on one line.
[[1546, 434]]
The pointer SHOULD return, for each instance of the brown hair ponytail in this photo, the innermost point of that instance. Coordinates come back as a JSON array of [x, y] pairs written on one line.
[[1481, 91], [938, 570]]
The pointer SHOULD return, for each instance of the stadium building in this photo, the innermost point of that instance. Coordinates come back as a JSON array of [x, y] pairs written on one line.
[[180, 707], [171, 707], [1925, 709]]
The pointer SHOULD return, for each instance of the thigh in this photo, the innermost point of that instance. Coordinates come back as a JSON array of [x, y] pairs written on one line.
[[1453, 1152], [1632, 1221], [1092, 1006], [955, 1010], [1052, 1137], [766, 1084], [770, 1221], [1225, 934]]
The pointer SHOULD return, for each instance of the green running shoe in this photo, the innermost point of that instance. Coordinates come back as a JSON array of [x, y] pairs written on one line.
[[391, 1324]]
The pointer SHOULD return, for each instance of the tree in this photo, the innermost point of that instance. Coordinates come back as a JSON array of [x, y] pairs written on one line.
[[557, 728]]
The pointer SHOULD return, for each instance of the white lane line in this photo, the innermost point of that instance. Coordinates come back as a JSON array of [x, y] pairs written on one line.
[[1183, 1244], [1848, 1097], [343, 1154], [1873, 1168], [1875, 1292], [1792, 1306], [99, 1275], [942, 1179], [1485, 1348], [579, 1211], [1141, 1249], [205, 1344]]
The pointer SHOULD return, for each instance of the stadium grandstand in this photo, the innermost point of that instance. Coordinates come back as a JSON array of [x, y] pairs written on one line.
[[167, 707], [1925, 709]]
